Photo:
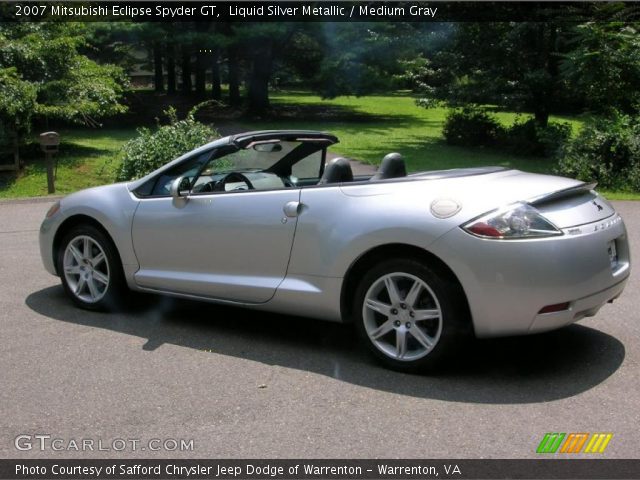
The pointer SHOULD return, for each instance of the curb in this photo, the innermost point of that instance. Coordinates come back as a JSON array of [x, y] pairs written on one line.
[[11, 201]]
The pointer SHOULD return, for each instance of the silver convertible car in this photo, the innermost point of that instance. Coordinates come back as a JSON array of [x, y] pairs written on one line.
[[264, 220]]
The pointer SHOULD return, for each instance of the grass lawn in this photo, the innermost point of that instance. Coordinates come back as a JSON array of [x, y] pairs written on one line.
[[368, 128], [85, 160], [371, 127]]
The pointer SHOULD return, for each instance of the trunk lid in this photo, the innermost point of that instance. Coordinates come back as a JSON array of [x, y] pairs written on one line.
[[563, 201], [574, 206]]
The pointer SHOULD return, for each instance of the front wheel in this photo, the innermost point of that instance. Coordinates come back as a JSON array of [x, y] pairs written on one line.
[[408, 314], [90, 269]]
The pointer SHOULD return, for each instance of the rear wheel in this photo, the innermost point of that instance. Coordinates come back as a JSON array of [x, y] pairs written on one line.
[[408, 314], [90, 269]]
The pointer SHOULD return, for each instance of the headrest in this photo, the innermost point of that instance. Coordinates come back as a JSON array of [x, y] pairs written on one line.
[[392, 166], [337, 171]]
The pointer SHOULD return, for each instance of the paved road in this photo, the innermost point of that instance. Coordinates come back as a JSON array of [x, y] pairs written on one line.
[[246, 384]]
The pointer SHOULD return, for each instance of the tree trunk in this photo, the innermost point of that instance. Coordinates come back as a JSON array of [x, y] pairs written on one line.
[[545, 93], [234, 77], [186, 70], [216, 93], [542, 116], [201, 75], [16, 152], [171, 70], [258, 93], [158, 76]]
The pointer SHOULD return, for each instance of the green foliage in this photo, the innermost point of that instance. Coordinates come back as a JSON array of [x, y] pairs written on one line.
[[605, 64], [152, 149], [361, 58], [69, 85], [475, 126], [471, 126], [16, 104], [606, 151], [510, 64], [528, 138], [89, 91]]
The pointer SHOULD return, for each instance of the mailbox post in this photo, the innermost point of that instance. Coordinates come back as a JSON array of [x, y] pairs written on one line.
[[49, 142]]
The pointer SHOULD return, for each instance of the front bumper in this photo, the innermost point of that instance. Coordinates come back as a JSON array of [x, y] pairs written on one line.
[[48, 229], [508, 282]]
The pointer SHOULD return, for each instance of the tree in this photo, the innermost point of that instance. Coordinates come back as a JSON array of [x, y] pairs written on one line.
[[373, 59], [43, 59], [262, 43], [604, 64], [17, 104], [512, 65]]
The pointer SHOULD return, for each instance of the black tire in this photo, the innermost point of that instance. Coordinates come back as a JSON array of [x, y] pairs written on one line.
[[111, 295], [442, 295]]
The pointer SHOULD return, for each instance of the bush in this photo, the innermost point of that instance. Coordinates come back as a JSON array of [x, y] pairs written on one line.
[[606, 151], [152, 149], [475, 126], [528, 138], [471, 126]]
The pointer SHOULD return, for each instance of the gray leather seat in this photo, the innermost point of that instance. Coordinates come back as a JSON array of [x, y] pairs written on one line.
[[337, 171], [392, 166]]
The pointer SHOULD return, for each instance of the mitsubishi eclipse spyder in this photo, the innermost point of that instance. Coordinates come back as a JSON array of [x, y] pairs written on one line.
[[264, 220]]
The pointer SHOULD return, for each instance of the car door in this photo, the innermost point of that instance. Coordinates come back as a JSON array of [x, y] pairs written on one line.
[[230, 245]]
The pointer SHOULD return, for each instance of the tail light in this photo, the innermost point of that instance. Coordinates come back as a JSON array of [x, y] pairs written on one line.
[[520, 220]]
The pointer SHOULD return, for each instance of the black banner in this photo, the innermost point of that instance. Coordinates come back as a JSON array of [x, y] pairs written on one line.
[[319, 469], [319, 11]]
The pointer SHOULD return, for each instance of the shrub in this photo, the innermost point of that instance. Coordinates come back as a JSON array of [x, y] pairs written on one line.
[[471, 126], [606, 151], [528, 138], [152, 149]]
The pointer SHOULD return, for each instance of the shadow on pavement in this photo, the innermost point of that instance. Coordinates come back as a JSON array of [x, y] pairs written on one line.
[[536, 368]]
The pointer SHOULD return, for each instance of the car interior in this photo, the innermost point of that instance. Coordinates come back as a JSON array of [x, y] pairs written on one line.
[[266, 165]]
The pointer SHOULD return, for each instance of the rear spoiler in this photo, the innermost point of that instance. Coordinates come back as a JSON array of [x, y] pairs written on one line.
[[565, 192]]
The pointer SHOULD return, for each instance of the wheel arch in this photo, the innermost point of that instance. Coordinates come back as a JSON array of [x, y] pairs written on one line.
[[393, 250], [74, 221]]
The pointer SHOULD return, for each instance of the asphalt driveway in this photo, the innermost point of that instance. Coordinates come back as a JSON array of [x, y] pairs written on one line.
[[246, 384]]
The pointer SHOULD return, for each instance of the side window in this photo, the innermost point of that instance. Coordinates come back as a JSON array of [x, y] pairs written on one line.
[[267, 165], [161, 185], [308, 169]]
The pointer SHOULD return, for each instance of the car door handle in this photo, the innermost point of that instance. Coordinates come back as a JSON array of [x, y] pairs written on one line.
[[292, 209]]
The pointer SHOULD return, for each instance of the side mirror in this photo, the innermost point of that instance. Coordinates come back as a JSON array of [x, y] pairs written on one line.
[[180, 187]]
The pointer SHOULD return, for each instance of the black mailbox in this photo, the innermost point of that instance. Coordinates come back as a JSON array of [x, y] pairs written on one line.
[[49, 142]]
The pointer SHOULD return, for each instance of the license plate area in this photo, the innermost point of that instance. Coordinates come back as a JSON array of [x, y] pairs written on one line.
[[613, 254]]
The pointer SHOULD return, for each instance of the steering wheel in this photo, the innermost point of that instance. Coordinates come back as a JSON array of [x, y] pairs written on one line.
[[287, 182], [231, 177]]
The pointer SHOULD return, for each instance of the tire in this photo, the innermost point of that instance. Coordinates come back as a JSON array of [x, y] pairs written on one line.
[[410, 315], [90, 269]]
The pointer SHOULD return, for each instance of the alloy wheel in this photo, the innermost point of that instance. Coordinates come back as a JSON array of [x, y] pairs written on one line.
[[86, 269], [402, 316]]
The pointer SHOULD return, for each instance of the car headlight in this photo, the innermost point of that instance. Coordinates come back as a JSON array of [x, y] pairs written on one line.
[[515, 221], [55, 208]]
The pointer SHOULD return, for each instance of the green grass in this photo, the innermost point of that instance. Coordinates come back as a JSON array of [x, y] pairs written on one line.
[[368, 129], [86, 159], [390, 123]]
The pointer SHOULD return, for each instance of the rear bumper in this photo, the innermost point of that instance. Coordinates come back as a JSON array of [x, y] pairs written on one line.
[[580, 308], [508, 282]]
